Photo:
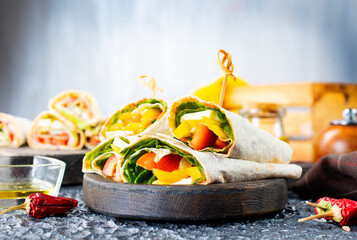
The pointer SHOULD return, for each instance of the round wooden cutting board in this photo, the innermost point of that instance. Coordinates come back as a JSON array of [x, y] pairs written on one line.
[[174, 202]]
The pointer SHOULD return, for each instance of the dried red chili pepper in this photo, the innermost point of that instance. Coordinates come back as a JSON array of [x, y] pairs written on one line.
[[40, 205], [343, 211]]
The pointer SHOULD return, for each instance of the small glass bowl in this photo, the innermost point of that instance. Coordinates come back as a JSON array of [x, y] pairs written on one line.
[[21, 176]]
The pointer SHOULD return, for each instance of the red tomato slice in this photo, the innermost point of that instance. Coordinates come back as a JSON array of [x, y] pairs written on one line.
[[203, 138], [220, 144], [12, 136], [58, 139], [110, 166], [54, 141], [68, 100], [65, 138], [94, 140], [184, 140], [167, 163], [117, 176], [147, 161], [41, 140]]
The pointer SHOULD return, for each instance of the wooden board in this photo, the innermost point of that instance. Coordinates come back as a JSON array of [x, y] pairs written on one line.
[[177, 203], [73, 158]]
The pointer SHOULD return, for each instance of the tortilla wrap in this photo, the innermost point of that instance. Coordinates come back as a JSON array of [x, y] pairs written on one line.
[[79, 107], [115, 124], [215, 168], [13, 130], [95, 160], [245, 141], [52, 131], [92, 135]]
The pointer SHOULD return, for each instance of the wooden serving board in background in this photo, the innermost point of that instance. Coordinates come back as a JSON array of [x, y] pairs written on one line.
[[184, 202], [73, 159], [310, 108]]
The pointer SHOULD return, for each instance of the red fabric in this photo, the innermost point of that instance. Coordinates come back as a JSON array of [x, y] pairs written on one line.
[[334, 175]]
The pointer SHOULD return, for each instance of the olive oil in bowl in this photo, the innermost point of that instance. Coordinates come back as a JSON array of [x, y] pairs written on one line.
[[12, 193]]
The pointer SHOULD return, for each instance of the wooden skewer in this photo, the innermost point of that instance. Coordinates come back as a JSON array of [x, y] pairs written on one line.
[[151, 84], [223, 90], [22, 206], [316, 205], [227, 70], [325, 214]]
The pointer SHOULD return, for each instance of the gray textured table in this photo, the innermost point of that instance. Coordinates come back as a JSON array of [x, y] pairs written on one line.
[[82, 223]]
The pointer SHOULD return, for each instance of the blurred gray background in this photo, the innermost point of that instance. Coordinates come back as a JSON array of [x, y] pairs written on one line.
[[104, 46]]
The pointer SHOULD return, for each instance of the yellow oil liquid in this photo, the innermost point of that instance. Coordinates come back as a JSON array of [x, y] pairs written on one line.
[[18, 190]]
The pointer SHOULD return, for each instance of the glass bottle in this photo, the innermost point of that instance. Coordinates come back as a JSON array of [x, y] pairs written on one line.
[[267, 116]]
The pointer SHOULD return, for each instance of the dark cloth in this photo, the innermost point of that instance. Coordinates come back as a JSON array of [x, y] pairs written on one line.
[[334, 175]]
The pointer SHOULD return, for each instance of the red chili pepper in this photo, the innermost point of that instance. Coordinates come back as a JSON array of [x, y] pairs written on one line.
[[40, 205], [343, 211]]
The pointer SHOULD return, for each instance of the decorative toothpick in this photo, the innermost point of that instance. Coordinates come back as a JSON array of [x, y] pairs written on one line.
[[227, 71], [151, 84]]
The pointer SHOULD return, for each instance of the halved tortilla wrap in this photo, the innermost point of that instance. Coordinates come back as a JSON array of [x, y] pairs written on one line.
[[104, 158], [51, 131], [13, 130], [92, 135], [154, 160], [79, 107], [207, 127], [143, 117]]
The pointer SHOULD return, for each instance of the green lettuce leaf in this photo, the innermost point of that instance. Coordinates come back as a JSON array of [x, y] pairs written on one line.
[[77, 121], [100, 162], [98, 151]]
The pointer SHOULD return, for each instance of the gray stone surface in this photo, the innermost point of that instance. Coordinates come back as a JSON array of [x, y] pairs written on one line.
[[82, 223]]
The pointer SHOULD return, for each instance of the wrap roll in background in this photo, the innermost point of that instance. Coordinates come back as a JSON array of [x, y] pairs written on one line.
[[144, 117], [104, 159], [79, 107], [52, 131], [207, 127], [13, 130], [154, 160], [92, 135]]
